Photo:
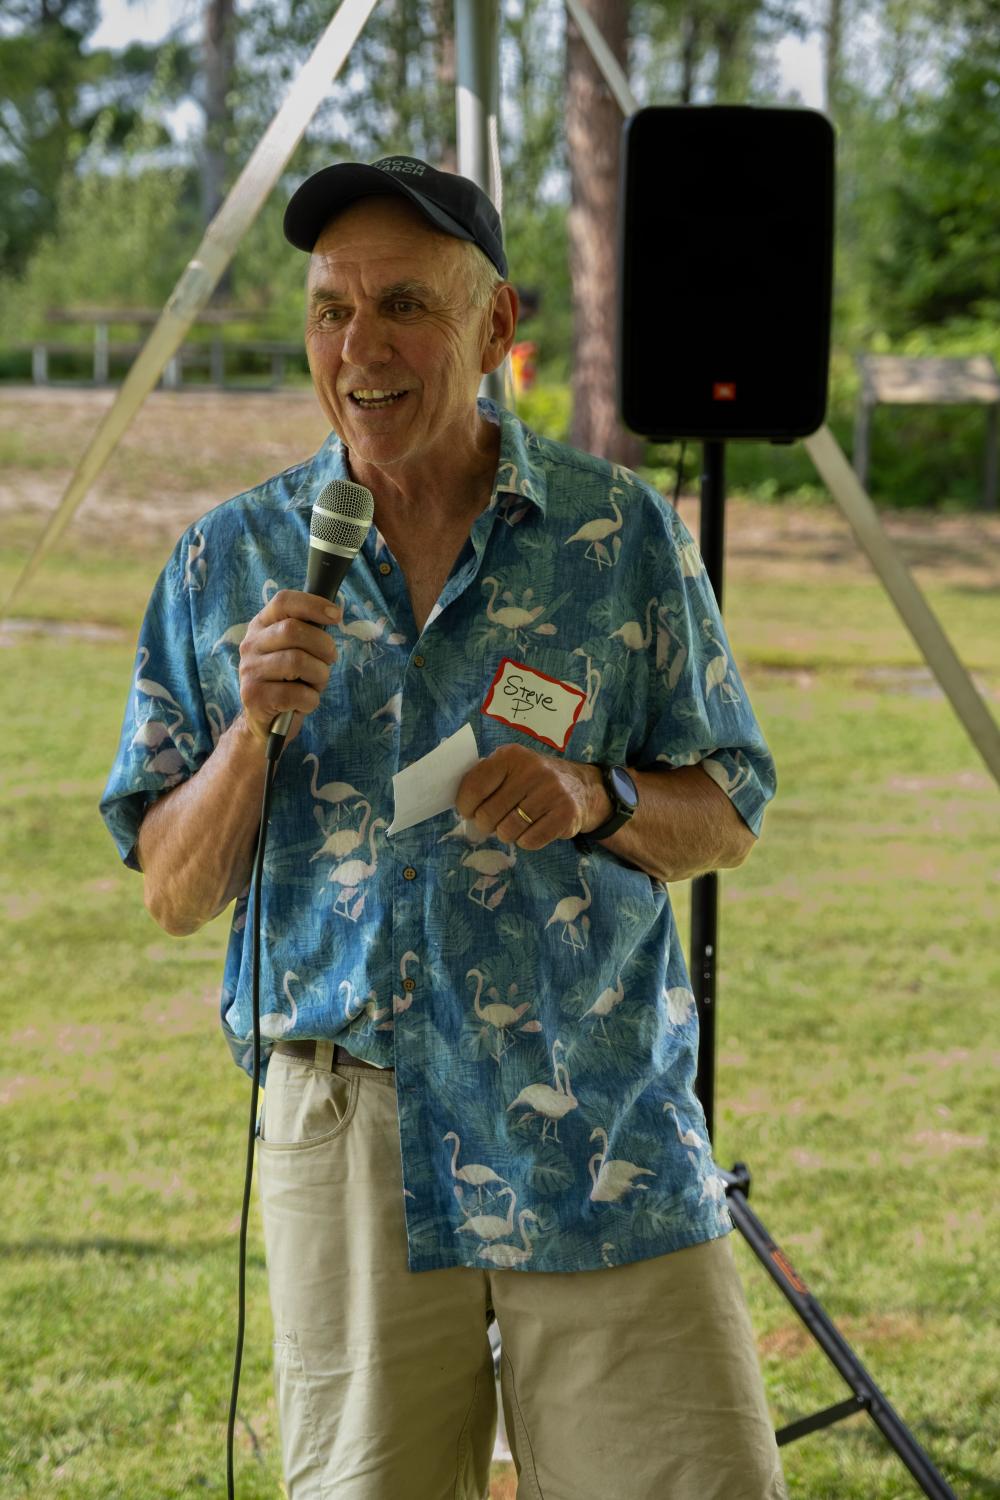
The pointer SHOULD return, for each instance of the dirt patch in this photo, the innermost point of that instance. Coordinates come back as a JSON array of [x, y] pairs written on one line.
[[13, 1089], [127, 1184], [187, 451], [791, 1339], [13, 632], [944, 1142], [184, 453], [807, 543], [179, 1015], [971, 781], [19, 908]]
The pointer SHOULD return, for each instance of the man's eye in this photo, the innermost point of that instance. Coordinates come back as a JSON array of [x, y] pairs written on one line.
[[331, 314], [404, 305]]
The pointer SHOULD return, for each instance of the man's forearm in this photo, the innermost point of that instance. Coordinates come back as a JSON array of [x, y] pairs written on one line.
[[196, 843], [685, 825]]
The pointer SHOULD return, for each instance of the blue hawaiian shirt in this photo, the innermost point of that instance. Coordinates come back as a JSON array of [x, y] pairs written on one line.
[[535, 1004]]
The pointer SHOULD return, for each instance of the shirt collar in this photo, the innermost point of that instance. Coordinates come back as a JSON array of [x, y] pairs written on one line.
[[328, 464], [520, 470]]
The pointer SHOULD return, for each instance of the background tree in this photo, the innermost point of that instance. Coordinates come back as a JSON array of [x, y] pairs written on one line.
[[912, 85], [52, 93], [217, 67], [593, 129], [939, 260], [119, 241], [534, 169]]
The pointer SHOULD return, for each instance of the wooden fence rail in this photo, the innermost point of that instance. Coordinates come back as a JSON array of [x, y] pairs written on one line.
[[193, 354]]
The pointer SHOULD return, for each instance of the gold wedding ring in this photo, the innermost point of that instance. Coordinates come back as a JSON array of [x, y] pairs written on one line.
[[522, 814]]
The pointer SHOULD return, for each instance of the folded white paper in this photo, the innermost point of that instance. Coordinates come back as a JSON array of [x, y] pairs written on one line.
[[430, 785]]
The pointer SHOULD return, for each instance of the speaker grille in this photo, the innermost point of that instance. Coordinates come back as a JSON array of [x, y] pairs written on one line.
[[342, 514]]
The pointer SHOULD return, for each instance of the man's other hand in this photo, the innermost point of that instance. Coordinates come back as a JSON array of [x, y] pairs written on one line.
[[560, 797]]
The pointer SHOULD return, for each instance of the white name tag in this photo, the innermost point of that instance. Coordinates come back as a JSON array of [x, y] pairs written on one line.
[[530, 700]]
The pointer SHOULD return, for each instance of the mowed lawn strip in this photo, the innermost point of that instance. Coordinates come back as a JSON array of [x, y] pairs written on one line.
[[857, 1069]]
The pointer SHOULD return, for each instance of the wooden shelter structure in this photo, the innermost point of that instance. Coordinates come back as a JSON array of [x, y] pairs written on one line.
[[895, 380]]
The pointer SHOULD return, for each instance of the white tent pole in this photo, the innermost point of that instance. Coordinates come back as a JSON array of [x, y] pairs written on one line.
[[614, 75], [477, 95], [199, 278], [898, 582], [843, 484]]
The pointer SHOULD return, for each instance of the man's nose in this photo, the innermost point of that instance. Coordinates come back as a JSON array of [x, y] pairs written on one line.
[[366, 341]]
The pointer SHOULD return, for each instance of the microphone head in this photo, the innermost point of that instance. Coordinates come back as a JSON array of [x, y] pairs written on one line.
[[341, 517]]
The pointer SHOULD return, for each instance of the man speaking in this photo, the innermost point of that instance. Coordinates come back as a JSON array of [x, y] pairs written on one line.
[[481, 1038]]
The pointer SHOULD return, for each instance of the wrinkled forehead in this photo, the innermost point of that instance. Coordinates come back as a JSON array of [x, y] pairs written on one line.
[[383, 228]]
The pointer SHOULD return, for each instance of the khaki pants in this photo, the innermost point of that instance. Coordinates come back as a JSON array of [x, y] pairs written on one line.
[[639, 1382]]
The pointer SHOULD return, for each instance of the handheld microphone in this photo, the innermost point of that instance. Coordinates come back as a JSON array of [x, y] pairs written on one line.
[[340, 520]]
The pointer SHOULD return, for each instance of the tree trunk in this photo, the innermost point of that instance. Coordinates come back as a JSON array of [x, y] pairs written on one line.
[[690, 44], [219, 63], [593, 132], [831, 56], [444, 70], [731, 31]]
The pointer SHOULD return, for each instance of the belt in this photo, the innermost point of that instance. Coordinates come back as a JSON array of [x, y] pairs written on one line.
[[306, 1051]]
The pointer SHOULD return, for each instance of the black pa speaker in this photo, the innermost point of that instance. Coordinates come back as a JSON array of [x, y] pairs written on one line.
[[726, 272]]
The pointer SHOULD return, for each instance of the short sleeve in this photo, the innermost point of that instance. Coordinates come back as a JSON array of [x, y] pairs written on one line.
[[698, 708], [165, 733]]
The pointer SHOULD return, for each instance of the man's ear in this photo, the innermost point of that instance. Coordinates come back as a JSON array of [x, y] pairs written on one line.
[[501, 329]]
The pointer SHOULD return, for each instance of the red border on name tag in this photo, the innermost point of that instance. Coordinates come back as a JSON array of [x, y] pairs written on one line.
[[569, 687]]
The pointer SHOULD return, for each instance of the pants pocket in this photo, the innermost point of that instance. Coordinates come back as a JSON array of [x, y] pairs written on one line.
[[304, 1107]]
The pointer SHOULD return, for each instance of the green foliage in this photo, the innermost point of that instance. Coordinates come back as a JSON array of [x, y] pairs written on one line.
[[394, 95], [55, 98], [120, 235], [92, 209], [268, 276], [547, 408], [939, 261]]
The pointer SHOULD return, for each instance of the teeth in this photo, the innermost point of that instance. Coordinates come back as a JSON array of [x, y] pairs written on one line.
[[375, 395]]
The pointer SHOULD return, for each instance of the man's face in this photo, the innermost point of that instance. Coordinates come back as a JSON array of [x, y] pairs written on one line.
[[388, 312]]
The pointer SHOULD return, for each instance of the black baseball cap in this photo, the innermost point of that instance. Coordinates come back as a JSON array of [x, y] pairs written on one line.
[[453, 204]]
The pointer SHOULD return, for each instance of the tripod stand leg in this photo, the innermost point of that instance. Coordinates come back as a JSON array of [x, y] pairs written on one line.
[[868, 1396]]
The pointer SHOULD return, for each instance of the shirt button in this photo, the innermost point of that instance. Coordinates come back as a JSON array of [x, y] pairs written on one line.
[[418, 661], [409, 873], [385, 569], [409, 984]]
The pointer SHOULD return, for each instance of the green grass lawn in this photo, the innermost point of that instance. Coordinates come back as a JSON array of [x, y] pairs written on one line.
[[859, 970]]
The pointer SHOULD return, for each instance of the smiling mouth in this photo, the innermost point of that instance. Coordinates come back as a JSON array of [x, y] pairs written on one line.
[[376, 400]]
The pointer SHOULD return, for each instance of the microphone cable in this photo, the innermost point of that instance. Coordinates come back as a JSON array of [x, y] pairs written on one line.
[[338, 525], [274, 746]]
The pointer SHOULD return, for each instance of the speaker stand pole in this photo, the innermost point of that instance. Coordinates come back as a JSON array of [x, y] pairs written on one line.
[[704, 954]]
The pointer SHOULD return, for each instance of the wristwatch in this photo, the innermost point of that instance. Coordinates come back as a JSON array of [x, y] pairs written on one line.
[[624, 800]]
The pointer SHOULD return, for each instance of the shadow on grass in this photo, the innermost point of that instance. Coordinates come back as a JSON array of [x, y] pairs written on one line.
[[14, 1250], [964, 1479], [932, 1436]]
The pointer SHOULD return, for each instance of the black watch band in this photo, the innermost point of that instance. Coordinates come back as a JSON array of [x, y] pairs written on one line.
[[624, 800]]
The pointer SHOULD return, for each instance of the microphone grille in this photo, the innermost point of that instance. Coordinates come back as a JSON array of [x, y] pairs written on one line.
[[342, 514]]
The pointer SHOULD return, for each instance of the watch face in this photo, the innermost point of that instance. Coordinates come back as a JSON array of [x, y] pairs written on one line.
[[624, 786]]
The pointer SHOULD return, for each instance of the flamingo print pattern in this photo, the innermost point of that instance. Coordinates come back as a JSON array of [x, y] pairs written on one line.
[[535, 1004], [613, 1179], [596, 534], [497, 1017], [571, 912], [551, 1104]]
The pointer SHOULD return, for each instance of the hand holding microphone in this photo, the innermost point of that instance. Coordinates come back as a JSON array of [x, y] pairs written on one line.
[[286, 654]]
